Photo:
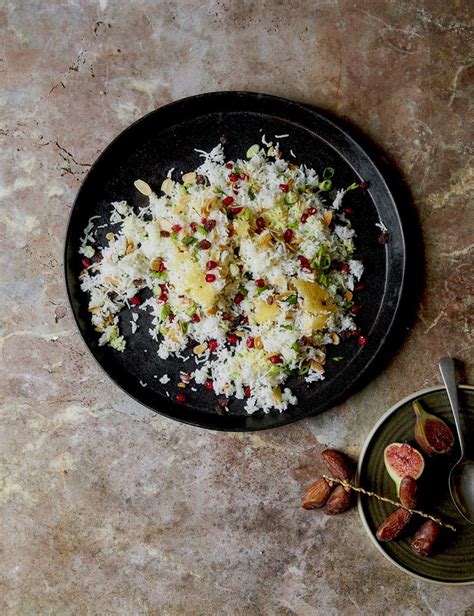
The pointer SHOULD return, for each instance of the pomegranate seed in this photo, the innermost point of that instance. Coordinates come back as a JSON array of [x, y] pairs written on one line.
[[135, 301], [161, 267], [360, 286], [195, 318], [258, 231], [193, 226], [260, 282], [163, 298], [212, 345], [250, 342], [348, 210], [229, 165], [171, 318], [307, 270], [228, 201], [284, 188], [260, 222], [245, 320], [232, 339], [288, 236], [243, 176], [303, 260], [200, 179], [276, 359], [180, 397], [364, 186], [355, 333], [86, 262], [210, 224], [239, 298], [209, 385], [204, 244], [176, 228], [164, 233], [362, 340], [233, 177], [304, 217], [210, 265], [210, 278], [247, 391], [312, 211], [236, 210], [203, 221], [235, 190], [230, 231], [355, 309], [345, 268]]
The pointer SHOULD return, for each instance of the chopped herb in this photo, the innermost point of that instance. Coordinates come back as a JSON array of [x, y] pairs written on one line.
[[353, 186], [251, 194], [253, 149], [292, 299], [174, 235], [188, 240], [289, 327], [165, 312], [328, 173], [325, 185], [295, 347], [303, 370], [201, 230], [338, 358]]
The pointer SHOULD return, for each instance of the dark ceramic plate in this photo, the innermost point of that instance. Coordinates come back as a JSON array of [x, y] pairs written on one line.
[[452, 562], [167, 138]]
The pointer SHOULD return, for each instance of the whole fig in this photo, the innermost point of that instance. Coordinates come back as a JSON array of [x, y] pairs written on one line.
[[431, 433]]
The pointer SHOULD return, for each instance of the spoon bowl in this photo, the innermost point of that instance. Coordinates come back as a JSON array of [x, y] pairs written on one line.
[[461, 477]]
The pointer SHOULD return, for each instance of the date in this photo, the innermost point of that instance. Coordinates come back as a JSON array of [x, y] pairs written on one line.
[[425, 538], [337, 464], [317, 494], [338, 501], [393, 525], [408, 492]]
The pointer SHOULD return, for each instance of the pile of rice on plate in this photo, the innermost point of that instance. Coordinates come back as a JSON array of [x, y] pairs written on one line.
[[248, 262]]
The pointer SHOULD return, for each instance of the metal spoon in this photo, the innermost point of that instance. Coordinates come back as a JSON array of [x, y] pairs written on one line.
[[461, 477]]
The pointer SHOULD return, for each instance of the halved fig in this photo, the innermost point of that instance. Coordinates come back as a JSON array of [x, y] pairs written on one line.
[[402, 460], [431, 433]]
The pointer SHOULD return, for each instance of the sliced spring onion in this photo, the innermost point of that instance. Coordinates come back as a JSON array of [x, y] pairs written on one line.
[[165, 312], [188, 240], [291, 197], [251, 194], [328, 173], [338, 358], [325, 185], [201, 230], [295, 347], [353, 186], [253, 149], [174, 235], [303, 370], [156, 290], [246, 214], [292, 299]]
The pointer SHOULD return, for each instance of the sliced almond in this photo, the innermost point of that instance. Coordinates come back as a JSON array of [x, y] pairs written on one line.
[[265, 239], [199, 350], [348, 296], [189, 178], [335, 338], [328, 218], [110, 236], [130, 247], [156, 264], [276, 391], [284, 294], [98, 329], [316, 366], [143, 187], [167, 186], [182, 385], [95, 309], [258, 342], [211, 311]]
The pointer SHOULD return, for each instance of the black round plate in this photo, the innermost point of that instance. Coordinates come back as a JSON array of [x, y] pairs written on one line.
[[167, 138]]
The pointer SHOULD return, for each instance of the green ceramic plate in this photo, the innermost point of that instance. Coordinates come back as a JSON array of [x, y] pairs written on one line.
[[452, 562]]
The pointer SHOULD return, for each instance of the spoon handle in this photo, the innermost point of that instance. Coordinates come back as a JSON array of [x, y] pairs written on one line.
[[448, 373]]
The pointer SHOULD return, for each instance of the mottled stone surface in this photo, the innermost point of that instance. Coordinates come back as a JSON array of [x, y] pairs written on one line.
[[107, 508]]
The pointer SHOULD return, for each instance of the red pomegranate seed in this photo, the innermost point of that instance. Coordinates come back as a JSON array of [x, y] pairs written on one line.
[[195, 318], [355, 333], [232, 339], [284, 188], [210, 224], [230, 231], [135, 301], [312, 211], [276, 359], [228, 201], [180, 397], [209, 385], [364, 186], [260, 282], [345, 268], [233, 177], [348, 210], [235, 190], [229, 165], [245, 320], [210, 265], [355, 309], [239, 298], [212, 345], [362, 340], [204, 244], [163, 298], [250, 342], [288, 236], [247, 391], [304, 217], [161, 267], [307, 270], [86, 262], [193, 226], [210, 278], [360, 286], [203, 221], [176, 228], [303, 260], [236, 210], [164, 233], [260, 222]]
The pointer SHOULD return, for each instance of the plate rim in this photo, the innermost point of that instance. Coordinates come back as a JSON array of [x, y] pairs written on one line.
[[365, 446], [384, 170]]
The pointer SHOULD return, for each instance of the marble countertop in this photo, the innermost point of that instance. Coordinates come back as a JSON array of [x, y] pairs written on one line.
[[107, 508]]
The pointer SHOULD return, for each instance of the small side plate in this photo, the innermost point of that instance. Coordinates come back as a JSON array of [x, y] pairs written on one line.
[[452, 562]]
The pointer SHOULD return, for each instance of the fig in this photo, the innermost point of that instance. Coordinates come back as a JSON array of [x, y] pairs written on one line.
[[431, 433], [402, 460]]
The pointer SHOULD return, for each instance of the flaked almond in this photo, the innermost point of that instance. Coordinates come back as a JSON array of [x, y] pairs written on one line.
[[335, 338], [95, 309], [276, 391], [284, 294], [316, 366], [265, 239], [328, 218], [143, 187], [348, 296], [258, 342], [167, 186], [182, 385], [130, 247], [199, 350], [156, 264], [99, 330], [110, 236], [211, 311], [189, 178]]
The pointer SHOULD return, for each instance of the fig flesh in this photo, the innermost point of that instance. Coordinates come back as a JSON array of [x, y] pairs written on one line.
[[402, 460], [431, 433]]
